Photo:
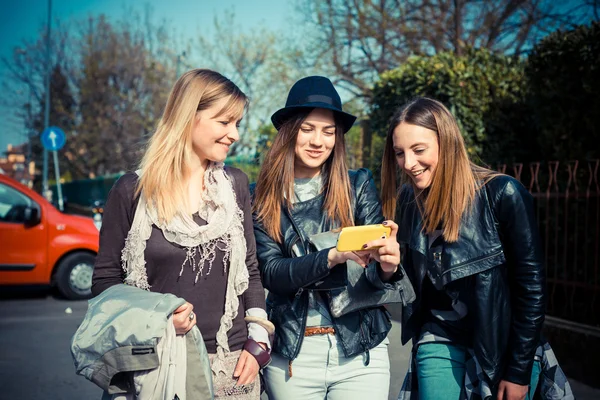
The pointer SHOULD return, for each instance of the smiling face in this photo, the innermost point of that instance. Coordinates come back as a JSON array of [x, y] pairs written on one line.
[[314, 143], [417, 152], [213, 135]]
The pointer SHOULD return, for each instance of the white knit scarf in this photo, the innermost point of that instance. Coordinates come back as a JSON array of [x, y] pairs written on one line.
[[224, 231]]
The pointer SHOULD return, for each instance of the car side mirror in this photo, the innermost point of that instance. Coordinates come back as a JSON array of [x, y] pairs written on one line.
[[31, 216]]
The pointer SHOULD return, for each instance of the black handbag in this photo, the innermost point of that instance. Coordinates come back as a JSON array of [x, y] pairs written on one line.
[[359, 293]]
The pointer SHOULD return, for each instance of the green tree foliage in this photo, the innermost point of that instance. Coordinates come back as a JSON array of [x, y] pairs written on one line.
[[564, 78], [266, 135], [473, 86], [354, 148]]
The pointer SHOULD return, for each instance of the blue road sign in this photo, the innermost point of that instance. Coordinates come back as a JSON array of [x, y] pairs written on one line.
[[53, 138]]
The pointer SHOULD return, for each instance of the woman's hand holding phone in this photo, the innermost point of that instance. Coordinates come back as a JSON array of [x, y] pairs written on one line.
[[385, 251], [335, 257], [383, 248]]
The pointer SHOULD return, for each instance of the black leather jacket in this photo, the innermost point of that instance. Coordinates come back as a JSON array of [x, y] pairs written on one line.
[[286, 276], [496, 267]]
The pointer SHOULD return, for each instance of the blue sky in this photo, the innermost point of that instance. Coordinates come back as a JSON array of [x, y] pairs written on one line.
[[23, 19]]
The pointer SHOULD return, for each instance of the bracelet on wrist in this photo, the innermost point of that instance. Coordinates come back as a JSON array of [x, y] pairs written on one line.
[[261, 355]]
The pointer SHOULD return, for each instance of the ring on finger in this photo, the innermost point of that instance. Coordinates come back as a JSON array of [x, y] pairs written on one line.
[[192, 316]]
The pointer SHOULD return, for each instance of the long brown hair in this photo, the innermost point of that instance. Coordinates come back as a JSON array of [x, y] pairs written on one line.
[[275, 183], [169, 152], [455, 180]]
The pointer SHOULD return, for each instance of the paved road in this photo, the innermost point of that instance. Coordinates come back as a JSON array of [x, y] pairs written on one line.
[[35, 361]]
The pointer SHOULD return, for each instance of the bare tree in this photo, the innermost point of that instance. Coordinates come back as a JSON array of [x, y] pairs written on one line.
[[594, 5], [241, 56], [109, 85], [122, 88], [363, 38], [262, 62], [24, 78]]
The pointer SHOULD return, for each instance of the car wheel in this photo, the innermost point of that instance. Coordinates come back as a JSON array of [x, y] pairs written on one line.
[[74, 276]]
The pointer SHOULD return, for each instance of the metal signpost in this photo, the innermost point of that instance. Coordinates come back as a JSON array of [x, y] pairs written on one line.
[[53, 139], [47, 102]]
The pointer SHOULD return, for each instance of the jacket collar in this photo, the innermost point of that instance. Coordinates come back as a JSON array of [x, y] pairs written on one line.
[[410, 231]]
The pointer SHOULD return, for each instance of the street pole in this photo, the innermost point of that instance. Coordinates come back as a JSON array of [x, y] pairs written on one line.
[[58, 185], [47, 104], [29, 137], [53, 139]]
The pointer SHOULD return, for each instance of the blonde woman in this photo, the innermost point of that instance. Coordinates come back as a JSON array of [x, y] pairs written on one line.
[[182, 224]]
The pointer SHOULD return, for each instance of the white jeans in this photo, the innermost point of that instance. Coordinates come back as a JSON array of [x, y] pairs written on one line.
[[321, 371]]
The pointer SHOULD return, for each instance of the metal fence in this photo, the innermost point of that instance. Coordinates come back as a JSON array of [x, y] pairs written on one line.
[[567, 199], [80, 195]]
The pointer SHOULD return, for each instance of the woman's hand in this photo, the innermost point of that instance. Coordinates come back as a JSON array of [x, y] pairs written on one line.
[[184, 318], [335, 257], [385, 251], [247, 367], [511, 391]]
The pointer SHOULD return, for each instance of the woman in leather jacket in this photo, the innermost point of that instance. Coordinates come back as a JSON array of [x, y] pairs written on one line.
[[304, 188], [471, 248]]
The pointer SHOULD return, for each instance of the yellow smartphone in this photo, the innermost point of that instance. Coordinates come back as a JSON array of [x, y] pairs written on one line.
[[353, 238]]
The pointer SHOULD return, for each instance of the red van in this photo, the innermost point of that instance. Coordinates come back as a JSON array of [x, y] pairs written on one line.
[[41, 245]]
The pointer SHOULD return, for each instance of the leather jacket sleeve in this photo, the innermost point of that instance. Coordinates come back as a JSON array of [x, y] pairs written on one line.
[[283, 275], [514, 210], [367, 212], [368, 205]]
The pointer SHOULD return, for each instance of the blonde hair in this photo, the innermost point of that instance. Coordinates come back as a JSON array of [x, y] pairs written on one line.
[[164, 164], [455, 180], [275, 183]]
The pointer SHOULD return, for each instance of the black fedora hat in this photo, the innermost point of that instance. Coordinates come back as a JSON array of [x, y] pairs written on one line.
[[313, 92]]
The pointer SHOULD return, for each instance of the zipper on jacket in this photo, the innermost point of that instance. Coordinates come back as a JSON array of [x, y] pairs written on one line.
[[304, 247], [363, 340], [291, 245], [402, 297], [301, 338], [298, 231]]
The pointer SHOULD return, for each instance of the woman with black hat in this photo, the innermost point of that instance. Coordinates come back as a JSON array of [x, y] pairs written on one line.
[[305, 188]]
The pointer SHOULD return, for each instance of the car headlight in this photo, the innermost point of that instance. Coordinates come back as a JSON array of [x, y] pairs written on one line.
[[98, 220]]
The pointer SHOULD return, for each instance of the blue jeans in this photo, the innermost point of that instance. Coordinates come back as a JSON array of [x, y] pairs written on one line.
[[441, 371]]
